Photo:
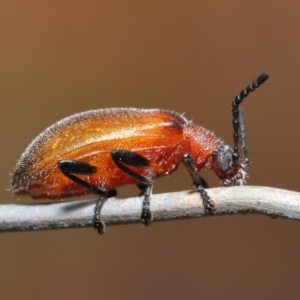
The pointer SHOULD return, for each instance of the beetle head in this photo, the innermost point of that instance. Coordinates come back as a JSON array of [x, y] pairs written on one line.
[[227, 167]]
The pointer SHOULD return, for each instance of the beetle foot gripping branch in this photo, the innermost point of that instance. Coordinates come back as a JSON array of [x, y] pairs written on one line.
[[208, 204], [99, 150], [99, 225], [146, 215]]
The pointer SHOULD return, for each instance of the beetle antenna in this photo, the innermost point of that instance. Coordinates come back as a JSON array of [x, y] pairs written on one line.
[[243, 143], [235, 114]]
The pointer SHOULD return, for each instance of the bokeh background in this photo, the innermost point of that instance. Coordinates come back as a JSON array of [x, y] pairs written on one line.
[[62, 57]]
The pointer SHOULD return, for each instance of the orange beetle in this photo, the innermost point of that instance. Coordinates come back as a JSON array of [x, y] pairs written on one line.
[[99, 150]]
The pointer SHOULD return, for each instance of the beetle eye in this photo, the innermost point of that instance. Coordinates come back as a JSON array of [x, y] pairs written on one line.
[[227, 162]]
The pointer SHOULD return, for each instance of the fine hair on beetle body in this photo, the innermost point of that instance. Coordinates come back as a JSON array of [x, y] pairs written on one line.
[[99, 150]]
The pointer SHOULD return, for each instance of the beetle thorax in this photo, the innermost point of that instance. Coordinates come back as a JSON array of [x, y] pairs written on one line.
[[200, 143]]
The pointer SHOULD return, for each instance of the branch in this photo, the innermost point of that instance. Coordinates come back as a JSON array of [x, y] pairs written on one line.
[[181, 205]]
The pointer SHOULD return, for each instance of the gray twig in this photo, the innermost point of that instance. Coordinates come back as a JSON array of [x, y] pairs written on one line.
[[171, 206]]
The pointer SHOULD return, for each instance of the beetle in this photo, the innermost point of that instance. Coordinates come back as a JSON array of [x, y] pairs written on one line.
[[99, 150]]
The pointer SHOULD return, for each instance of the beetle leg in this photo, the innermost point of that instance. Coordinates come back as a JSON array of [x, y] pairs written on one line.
[[207, 202], [112, 193], [71, 167], [142, 188], [146, 215], [98, 223], [146, 191], [122, 158], [204, 182]]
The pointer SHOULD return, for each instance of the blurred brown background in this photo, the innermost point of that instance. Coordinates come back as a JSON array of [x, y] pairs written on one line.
[[62, 57]]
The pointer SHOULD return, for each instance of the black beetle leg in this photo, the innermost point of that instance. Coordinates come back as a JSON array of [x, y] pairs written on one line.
[[71, 167], [207, 202], [122, 158]]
